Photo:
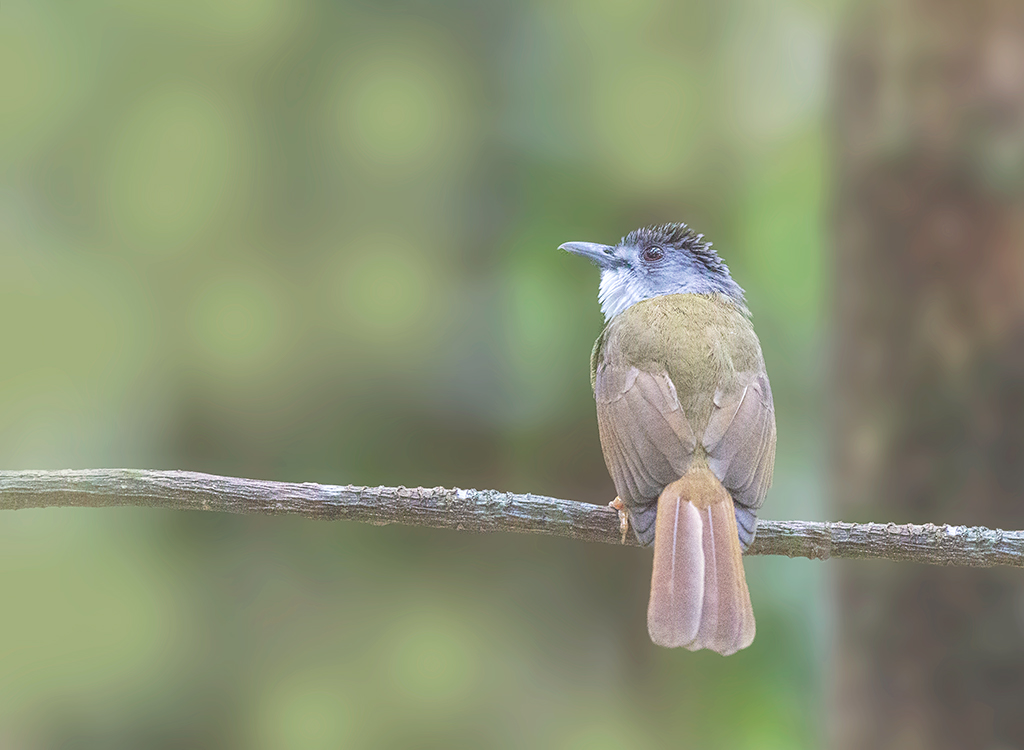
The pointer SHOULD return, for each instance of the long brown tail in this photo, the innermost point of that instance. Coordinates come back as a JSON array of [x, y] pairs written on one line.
[[699, 596]]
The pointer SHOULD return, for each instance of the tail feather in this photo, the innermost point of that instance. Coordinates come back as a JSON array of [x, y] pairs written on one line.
[[674, 613], [699, 596]]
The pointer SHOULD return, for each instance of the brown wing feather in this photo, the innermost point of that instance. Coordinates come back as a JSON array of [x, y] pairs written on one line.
[[647, 441], [740, 442]]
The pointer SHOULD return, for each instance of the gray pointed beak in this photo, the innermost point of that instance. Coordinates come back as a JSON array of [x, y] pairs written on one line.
[[602, 256]]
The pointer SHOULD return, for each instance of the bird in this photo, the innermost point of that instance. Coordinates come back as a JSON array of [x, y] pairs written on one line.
[[687, 426]]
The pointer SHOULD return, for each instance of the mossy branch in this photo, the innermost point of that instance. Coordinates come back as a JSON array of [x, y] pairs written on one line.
[[485, 511]]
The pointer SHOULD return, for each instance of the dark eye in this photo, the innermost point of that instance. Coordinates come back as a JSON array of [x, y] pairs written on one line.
[[653, 253]]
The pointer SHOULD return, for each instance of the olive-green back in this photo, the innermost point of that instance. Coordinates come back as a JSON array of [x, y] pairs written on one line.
[[680, 383], [702, 341]]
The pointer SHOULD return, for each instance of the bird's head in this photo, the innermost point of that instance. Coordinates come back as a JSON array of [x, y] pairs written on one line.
[[654, 261]]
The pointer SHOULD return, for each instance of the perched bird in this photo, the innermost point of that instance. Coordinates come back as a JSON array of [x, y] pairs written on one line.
[[687, 426]]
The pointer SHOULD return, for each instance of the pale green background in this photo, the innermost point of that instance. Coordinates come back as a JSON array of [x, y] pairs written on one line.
[[317, 242]]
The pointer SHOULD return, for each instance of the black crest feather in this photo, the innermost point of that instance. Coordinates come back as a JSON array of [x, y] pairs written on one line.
[[681, 236]]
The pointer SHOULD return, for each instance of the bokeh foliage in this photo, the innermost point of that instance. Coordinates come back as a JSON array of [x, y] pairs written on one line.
[[316, 242]]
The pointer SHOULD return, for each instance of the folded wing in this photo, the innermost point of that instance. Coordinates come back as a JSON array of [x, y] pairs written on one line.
[[646, 438], [740, 443]]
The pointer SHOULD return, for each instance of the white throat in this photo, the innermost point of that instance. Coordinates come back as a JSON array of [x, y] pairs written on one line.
[[618, 291], [621, 289]]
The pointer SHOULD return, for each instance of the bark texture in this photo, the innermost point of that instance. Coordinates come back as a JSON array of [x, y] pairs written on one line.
[[929, 366], [484, 511]]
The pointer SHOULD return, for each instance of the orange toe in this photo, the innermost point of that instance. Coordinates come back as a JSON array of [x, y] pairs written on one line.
[[623, 517]]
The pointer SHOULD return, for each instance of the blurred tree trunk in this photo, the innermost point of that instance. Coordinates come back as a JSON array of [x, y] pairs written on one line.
[[929, 366]]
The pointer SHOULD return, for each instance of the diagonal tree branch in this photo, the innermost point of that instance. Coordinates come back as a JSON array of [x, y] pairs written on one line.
[[485, 510]]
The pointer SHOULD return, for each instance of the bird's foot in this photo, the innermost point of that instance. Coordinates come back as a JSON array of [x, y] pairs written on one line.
[[623, 517]]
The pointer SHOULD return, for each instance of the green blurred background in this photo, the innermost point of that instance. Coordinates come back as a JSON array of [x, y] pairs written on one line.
[[317, 242]]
